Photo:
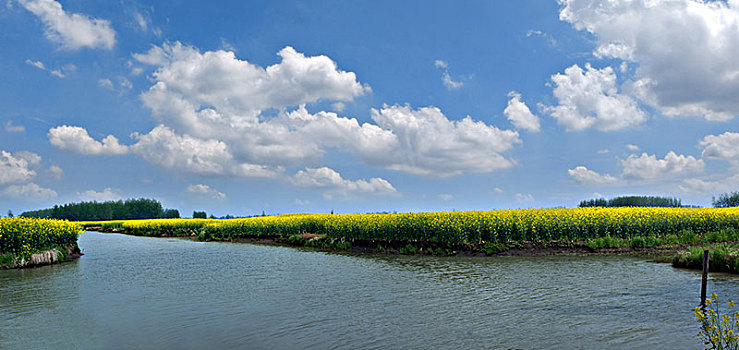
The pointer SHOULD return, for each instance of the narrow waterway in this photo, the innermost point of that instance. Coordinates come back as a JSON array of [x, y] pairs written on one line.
[[155, 293]]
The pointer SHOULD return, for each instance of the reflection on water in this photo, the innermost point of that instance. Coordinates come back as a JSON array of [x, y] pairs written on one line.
[[135, 292]]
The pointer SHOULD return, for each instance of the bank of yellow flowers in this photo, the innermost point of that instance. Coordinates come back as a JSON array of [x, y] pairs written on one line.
[[24, 236], [454, 227]]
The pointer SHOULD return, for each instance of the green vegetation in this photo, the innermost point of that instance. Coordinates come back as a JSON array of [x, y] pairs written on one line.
[[718, 329], [726, 200], [721, 257], [199, 215], [22, 237], [633, 201], [129, 209]]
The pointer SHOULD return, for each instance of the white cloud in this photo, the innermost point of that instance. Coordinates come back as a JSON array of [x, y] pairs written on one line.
[[106, 83], [427, 143], [205, 191], [338, 106], [450, 83], [108, 194], [215, 96], [649, 167], [686, 50], [520, 115], [603, 151], [15, 168], [28, 192], [76, 139], [162, 146], [333, 184], [219, 79], [498, 190], [584, 175], [590, 99], [141, 21], [641, 168], [38, 64], [71, 30], [632, 148], [441, 64], [704, 186], [524, 197], [59, 73], [9, 127], [56, 171], [724, 146], [534, 32], [445, 196]]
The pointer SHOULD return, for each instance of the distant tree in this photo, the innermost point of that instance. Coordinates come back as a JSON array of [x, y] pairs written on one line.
[[726, 200], [141, 208], [10, 213], [171, 214], [199, 215], [633, 201]]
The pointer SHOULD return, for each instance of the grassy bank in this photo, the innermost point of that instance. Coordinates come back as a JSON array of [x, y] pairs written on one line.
[[721, 257], [25, 241], [485, 231]]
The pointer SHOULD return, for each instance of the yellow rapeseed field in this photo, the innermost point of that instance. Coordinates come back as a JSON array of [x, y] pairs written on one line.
[[454, 227], [23, 236]]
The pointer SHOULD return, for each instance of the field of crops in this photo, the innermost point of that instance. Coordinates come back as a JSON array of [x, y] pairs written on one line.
[[24, 236], [452, 227]]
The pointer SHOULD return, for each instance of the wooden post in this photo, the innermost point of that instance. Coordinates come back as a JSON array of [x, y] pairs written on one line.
[[704, 280]]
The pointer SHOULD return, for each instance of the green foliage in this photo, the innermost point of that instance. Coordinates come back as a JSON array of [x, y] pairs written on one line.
[[722, 258], [199, 215], [491, 248], [633, 201], [130, 209], [726, 200], [409, 249], [719, 330], [170, 214]]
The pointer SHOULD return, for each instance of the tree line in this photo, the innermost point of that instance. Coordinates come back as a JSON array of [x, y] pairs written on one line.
[[130, 209], [633, 201]]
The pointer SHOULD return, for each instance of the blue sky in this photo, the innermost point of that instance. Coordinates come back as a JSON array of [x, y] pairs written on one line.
[[364, 106]]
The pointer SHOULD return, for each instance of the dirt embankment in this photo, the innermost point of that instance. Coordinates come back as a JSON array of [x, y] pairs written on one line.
[[48, 257]]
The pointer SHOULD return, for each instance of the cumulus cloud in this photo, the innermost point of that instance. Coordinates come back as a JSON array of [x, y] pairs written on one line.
[[15, 168], [333, 183], [589, 98], [205, 191], [71, 30], [520, 115], [686, 50], [213, 96], [641, 168], [632, 148], [722, 184], [107, 194], [10, 127], [428, 143], [584, 175], [649, 167], [38, 64], [59, 73], [76, 139], [724, 147], [28, 192]]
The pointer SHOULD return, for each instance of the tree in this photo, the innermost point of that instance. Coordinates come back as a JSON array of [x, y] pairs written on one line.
[[199, 215], [10, 213], [726, 200]]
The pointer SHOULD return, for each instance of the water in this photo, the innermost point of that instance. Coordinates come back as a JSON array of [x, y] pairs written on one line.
[[135, 292]]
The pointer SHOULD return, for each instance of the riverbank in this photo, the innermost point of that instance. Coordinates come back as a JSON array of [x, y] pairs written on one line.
[[41, 258]]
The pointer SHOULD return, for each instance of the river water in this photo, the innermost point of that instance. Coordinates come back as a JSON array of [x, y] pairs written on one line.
[[156, 293]]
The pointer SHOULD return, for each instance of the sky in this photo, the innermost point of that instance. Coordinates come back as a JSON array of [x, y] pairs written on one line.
[[366, 106]]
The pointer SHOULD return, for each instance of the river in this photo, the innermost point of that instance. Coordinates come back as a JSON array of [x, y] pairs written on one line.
[[156, 293]]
